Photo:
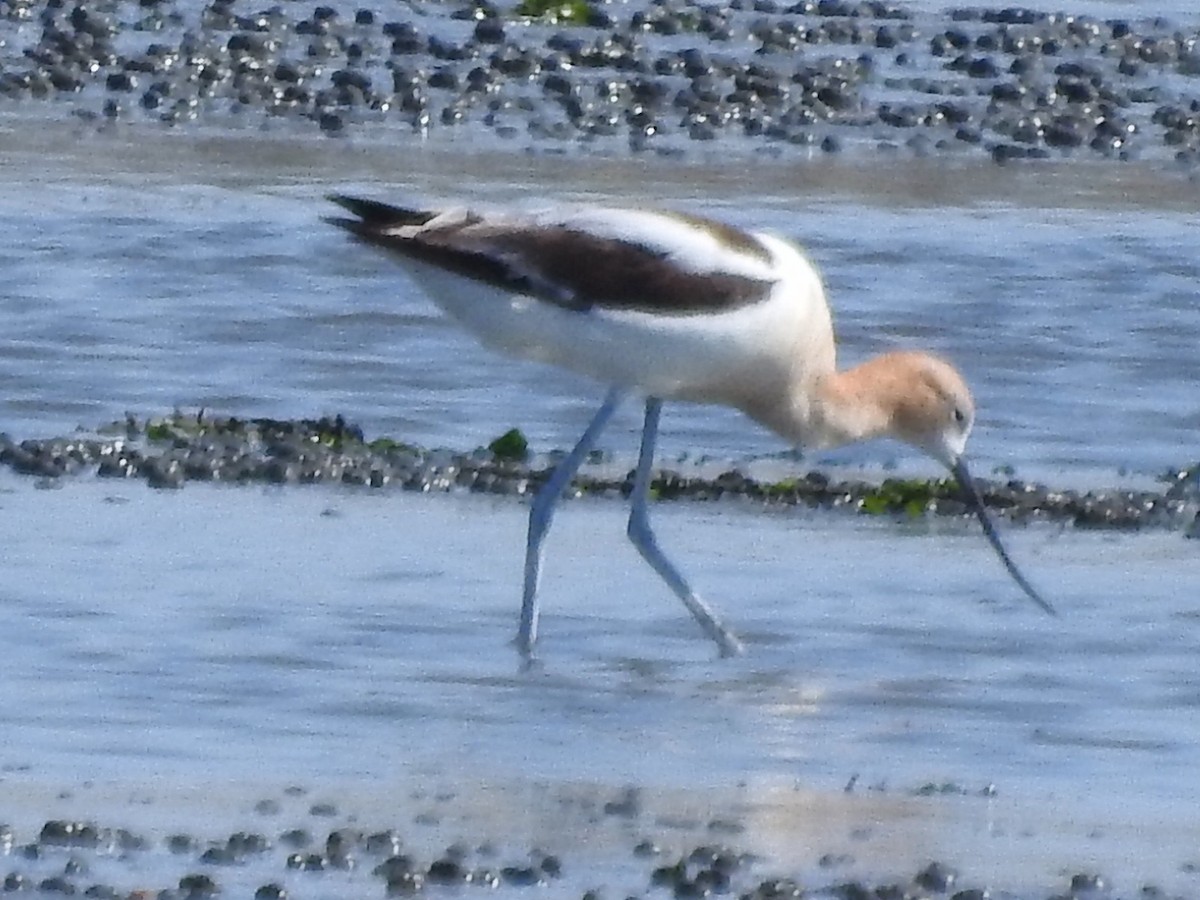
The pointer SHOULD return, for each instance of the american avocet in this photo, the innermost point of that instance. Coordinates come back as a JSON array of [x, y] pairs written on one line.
[[674, 307]]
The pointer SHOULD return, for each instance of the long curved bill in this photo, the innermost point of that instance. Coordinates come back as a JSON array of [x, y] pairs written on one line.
[[975, 501]]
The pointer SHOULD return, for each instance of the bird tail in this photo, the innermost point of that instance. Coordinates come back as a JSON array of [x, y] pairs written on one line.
[[374, 216]]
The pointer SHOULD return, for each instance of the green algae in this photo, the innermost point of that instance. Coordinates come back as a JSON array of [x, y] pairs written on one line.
[[160, 432], [391, 445], [785, 488], [910, 497], [510, 446], [576, 12]]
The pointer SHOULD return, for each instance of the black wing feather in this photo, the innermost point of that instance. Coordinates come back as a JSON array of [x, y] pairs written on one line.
[[569, 268]]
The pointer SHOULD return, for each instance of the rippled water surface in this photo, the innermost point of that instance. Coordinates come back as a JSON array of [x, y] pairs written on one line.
[[341, 637], [215, 286]]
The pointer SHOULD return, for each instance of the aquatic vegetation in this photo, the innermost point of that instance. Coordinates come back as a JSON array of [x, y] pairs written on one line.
[[573, 11], [391, 445], [779, 489], [911, 497], [182, 427], [511, 446], [159, 432]]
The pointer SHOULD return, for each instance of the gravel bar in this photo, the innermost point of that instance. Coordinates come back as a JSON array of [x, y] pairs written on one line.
[[170, 451], [319, 853], [774, 78]]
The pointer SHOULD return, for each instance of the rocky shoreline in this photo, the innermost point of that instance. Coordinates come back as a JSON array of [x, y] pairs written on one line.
[[784, 79], [169, 452], [318, 852]]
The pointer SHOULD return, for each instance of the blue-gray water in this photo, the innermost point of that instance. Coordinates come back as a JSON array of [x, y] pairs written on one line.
[[148, 277], [357, 639]]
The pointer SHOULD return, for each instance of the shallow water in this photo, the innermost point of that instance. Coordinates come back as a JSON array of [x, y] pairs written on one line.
[[160, 274], [341, 639], [358, 641]]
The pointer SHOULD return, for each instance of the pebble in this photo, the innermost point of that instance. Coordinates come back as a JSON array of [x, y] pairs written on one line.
[[701, 870], [69, 834], [296, 838], [180, 844], [936, 877], [198, 886], [446, 871]]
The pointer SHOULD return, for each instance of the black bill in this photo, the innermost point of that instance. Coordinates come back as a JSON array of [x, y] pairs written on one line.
[[975, 501]]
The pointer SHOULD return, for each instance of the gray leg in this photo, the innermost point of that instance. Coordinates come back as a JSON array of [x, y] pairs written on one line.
[[542, 512], [643, 538]]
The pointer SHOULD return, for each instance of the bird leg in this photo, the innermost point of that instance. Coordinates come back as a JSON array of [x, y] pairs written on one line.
[[643, 538], [541, 513]]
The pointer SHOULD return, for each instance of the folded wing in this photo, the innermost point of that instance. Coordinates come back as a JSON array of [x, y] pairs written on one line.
[[658, 263]]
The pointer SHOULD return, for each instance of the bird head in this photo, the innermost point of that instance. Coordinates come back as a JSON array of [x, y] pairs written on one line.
[[930, 405]]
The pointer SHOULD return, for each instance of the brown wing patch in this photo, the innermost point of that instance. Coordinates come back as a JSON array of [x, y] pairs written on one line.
[[581, 271], [733, 238], [572, 269]]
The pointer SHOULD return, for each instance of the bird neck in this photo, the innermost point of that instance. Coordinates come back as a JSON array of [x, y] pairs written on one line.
[[829, 408], [851, 405]]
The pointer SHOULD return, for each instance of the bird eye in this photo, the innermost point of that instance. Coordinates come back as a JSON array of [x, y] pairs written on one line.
[[960, 417]]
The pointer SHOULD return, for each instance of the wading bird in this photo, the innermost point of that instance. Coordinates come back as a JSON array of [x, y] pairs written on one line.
[[672, 307]]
